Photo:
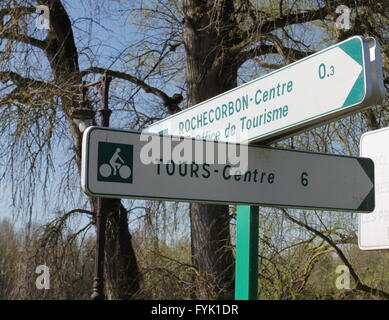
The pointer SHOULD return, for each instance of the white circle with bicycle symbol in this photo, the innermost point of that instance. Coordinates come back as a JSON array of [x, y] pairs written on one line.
[[106, 171]]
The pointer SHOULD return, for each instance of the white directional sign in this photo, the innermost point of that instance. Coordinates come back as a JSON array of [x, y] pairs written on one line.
[[322, 87], [116, 163], [373, 230]]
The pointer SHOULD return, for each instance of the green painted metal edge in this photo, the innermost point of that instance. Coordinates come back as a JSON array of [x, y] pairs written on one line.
[[246, 266], [353, 48], [357, 92]]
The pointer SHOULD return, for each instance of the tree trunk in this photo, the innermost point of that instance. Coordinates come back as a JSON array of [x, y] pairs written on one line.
[[122, 272], [211, 251], [208, 75]]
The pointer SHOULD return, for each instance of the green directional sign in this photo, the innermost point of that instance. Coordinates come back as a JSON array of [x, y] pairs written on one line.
[[116, 163], [319, 88]]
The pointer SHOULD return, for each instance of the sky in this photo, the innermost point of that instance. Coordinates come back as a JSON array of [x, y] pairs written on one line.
[[107, 37]]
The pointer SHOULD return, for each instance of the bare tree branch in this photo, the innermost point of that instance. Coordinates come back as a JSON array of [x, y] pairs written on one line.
[[16, 10], [171, 103], [359, 284], [20, 81], [24, 39], [293, 18], [264, 49], [310, 15], [267, 65]]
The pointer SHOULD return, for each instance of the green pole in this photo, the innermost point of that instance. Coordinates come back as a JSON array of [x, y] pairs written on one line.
[[246, 267]]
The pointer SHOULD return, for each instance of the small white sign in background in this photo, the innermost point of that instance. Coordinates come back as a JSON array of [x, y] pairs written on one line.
[[373, 233]]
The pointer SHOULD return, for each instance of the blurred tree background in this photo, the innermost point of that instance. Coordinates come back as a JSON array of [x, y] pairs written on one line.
[[165, 55]]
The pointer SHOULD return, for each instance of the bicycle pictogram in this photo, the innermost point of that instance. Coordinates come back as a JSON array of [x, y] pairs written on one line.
[[115, 162], [116, 165]]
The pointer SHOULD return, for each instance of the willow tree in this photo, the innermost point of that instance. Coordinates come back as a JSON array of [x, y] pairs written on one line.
[[218, 43], [35, 106]]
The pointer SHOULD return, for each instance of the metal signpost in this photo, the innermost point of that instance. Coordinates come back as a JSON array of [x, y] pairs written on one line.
[[373, 228], [115, 164], [81, 116], [322, 87], [246, 266], [330, 84]]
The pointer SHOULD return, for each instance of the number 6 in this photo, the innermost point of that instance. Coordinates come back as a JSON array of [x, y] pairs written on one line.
[[304, 180]]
